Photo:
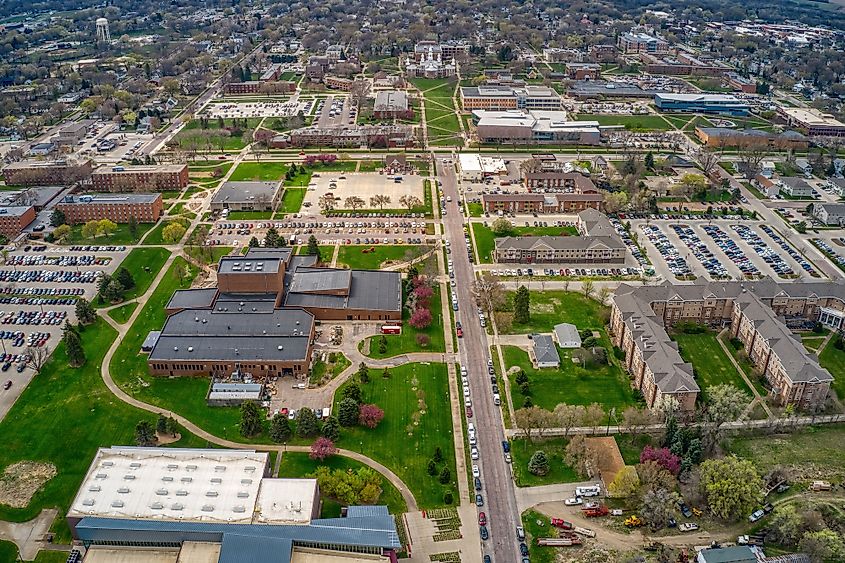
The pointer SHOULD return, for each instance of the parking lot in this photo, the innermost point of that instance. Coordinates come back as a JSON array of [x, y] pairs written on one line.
[[39, 289], [334, 111], [329, 231], [363, 185], [727, 249], [242, 110]]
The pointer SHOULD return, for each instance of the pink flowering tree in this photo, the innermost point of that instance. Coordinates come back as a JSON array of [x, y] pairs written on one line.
[[370, 415], [322, 448], [421, 319], [423, 293], [662, 457]]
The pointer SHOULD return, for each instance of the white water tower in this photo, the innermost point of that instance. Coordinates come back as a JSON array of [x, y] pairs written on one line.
[[103, 34]]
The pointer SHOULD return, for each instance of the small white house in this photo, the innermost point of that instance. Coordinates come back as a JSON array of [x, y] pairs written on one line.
[[545, 351], [804, 166], [567, 335], [767, 169], [795, 187]]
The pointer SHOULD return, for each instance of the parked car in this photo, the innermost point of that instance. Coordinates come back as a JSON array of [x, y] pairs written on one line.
[[756, 515], [485, 535], [688, 526], [574, 501], [482, 519], [7, 385]]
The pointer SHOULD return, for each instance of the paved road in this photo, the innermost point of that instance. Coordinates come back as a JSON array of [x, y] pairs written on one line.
[[498, 488]]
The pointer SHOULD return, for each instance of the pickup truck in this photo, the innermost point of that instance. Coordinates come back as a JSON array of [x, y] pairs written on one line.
[[687, 526]]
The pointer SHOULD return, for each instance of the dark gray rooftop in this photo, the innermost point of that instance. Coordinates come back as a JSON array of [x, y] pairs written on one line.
[[244, 265], [192, 298], [545, 350], [110, 199], [368, 289], [246, 192], [319, 280]]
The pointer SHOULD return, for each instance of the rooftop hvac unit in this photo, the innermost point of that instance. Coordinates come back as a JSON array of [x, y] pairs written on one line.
[[239, 509], [95, 488], [162, 492], [243, 494], [88, 502], [246, 481], [156, 506], [101, 476], [191, 467], [134, 465], [172, 466], [187, 479], [220, 468], [208, 508], [176, 506], [117, 504], [211, 493], [108, 463], [216, 481], [181, 493], [128, 477], [123, 490], [167, 479]]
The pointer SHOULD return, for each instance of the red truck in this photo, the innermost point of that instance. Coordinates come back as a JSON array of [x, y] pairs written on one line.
[[595, 511], [562, 524]]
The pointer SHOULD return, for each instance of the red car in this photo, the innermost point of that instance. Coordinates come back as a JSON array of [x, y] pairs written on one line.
[[482, 519], [469, 412], [460, 332]]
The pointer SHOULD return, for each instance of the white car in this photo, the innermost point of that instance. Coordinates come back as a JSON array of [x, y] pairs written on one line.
[[575, 501], [473, 452], [687, 526], [507, 457], [476, 472]]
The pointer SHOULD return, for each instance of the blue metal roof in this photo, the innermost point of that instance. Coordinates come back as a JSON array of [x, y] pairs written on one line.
[[249, 549], [365, 511]]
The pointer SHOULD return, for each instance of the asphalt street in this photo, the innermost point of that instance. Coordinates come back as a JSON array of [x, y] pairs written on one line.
[[498, 488]]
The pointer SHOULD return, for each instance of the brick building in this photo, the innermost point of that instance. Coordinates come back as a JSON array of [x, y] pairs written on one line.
[[722, 137], [247, 196], [46, 172], [541, 203], [154, 178], [15, 219], [583, 71], [144, 208]]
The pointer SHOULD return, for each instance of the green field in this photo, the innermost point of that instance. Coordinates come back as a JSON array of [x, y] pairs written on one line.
[[120, 237], [336, 166], [144, 264], [292, 200], [208, 254], [155, 236], [555, 448], [834, 361], [417, 420], [259, 172], [193, 130], [353, 256], [407, 341], [549, 308], [485, 240], [571, 383], [485, 243], [712, 366], [63, 416], [631, 122], [295, 465], [121, 314], [537, 525], [249, 215], [9, 554], [301, 179]]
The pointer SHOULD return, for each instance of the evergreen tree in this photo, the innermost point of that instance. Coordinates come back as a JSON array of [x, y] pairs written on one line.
[[57, 217], [280, 428], [133, 226], [85, 313], [432, 468], [124, 278], [539, 463], [306, 423], [273, 240], [521, 306], [331, 429], [313, 248], [445, 476], [161, 424], [438, 455], [348, 412], [172, 427], [352, 391], [649, 161], [363, 373], [250, 419], [253, 242], [144, 434], [73, 346]]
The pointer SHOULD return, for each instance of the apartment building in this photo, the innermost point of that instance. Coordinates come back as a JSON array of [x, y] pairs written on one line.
[[120, 208], [541, 203], [559, 179], [816, 123], [724, 137], [603, 53], [832, 214], [506, 98], [29, 173], [338, 83], [560, 250], [153, 178], [742, 84], [642, 43], [795, 187], [375, 136], [558, 55], [583, 71], [758, 313], [14, 219]]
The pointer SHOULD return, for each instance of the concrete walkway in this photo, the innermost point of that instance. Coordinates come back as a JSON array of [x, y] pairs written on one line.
[[28, 535], [759, 399]]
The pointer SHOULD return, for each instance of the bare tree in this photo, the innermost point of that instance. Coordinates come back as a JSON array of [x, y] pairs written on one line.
[[326, 202], [380, 200], [568, 416], [37, 356], [708, 160], [750, 157], [489, 293], [354, 202], [410, 201]]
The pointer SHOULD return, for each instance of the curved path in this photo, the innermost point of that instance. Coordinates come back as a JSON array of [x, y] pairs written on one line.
[[196, 430]]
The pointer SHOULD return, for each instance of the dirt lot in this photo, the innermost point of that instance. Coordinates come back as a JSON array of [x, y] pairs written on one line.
[[364, 185], [22, 480]]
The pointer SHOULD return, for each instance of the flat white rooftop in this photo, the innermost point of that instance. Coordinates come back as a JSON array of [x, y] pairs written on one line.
[[812, 117], [286, 501], [476, 163], [172, 484]]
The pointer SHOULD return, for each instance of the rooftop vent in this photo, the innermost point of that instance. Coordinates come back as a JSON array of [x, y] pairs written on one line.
[[211, 493], [243, 494], [239, 509], [176, 506], [249, 468], [123, 490], [101, 476], [117, 504], [134, 465], [190, 348], [95, 488], [128, 477], [88, 502], [208, 508], [246, 481], [156, 506], [181, 493], [172, 466], [216, 481], [219, 468], [167, 479], [162, 492], [191, 467], [187, 479], [108, 463]]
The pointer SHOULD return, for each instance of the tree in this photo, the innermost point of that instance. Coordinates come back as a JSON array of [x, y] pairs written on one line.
[[823, 545], [254, 242], [531, 418], [692, 184], [322, 448], [662, 457], [635, 420], [370, 415], [331, 428], [171, 426], [658, 506], [587, 287], [133, 226], [363, 373], [250, 419], [568, 416], [580, 456], [106, 227], [272, 239], [354, 202], [73, 346], [648, 161], [410, 201], [113, 292], [438, 455], [615, 202], [280, 430], [306, 423], [145, 434], [352, 391], [326, 202], [348, 412], [522, 305], [445, 476], [421, 319], [502, 227], [593, 416], [85, 313], [539, 463], [625, 484], [161, 424], [57, 217], [653, 477], [725, 403], [173, 232], [784, 525], [124, 277], [731, 486], [90, 229], [432, 468], [489, 293], [380, 200], [61, 233], [604, 293], [313, 248], [36, 357]]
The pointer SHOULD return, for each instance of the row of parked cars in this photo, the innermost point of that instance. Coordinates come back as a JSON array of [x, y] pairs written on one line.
[[731, 250], [95, 248], [37, 301], [42, 291], [33, 317], [568, 272], [48, 276], [629, 242], [677, 264], [53, 260], [830, 252], [805, 265]]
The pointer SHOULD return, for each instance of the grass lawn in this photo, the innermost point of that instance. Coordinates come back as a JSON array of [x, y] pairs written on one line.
[[484, 243], [301, 179], [486, 240], [298, 465], [630, 446], [559, 472], [155, 236], [369, 165], [407, 341], [259, 171], [336, 166], [321, 369], [9, 554], [712, 365], [537, 525], [549, 308], [63, 416], [355, 258], [475, 209], [250, 215], [817, 452], [292, 200], [121, 314], [633, 122], [571, 383], [208, 254], [185, 395], [121, 236], [326, 251], [834, 361], [144, 264], [417, 420]]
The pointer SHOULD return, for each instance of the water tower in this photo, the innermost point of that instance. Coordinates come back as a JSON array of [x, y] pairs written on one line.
[[103, 30]]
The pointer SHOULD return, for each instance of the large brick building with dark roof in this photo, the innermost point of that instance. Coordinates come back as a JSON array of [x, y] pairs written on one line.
[[261, 317]]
